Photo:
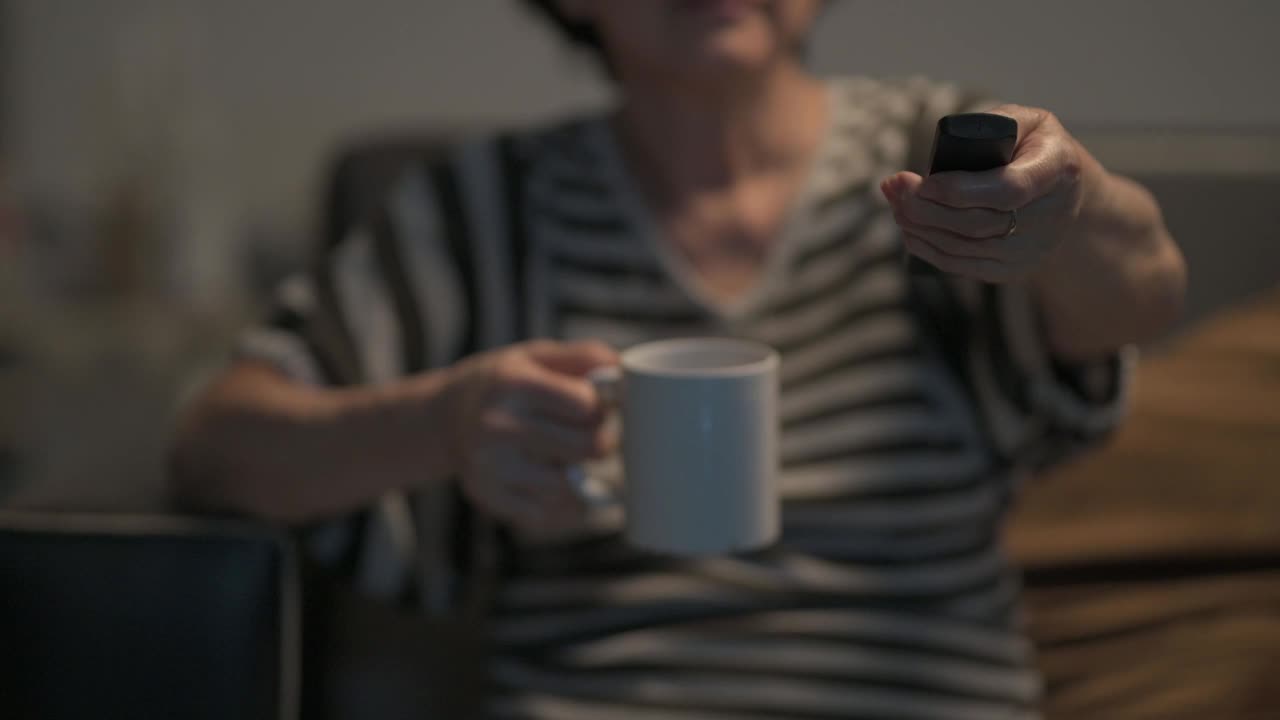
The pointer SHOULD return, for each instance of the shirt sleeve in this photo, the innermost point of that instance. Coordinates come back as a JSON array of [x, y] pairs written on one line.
[[400, 295], [1039, 409], [384, 302]]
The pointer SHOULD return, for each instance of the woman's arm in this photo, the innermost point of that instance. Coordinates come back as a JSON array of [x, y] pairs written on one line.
[[1091, 245], [1117, 278], [505, 422], [258, 443]]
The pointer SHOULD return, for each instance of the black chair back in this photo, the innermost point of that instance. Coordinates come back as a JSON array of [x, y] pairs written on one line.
[[142, 617]]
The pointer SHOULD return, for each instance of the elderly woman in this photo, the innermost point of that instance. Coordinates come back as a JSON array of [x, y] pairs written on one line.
[[730, 192]]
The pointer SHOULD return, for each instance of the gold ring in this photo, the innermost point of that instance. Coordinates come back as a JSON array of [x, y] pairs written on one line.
[[1013, 223]]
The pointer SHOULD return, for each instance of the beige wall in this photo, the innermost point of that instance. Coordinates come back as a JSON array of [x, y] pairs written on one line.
[[233, 103], [227, 107]]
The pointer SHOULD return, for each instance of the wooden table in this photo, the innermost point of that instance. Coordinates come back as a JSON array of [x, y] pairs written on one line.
[[1153, 566]]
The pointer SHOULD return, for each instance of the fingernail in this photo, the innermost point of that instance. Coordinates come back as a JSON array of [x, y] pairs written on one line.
[[890, 190]]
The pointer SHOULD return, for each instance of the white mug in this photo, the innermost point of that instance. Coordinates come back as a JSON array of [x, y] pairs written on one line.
[[699, 445]]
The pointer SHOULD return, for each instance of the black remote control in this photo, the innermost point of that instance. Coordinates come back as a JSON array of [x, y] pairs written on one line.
[[972, 142]]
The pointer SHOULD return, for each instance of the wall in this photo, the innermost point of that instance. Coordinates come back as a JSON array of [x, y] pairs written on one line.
[[225, 110], [232, 105], [1136, 63]]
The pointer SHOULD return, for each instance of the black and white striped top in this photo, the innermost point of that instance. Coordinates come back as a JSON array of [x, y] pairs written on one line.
[[909, 411]]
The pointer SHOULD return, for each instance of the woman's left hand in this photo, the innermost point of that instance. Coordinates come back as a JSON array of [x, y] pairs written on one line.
[[999, 225]]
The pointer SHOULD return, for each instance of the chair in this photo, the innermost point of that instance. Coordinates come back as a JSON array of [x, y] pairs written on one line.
[[145, 617]]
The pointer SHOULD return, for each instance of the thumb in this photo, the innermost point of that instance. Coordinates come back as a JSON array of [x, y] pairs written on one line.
[[897, 185], [575, 358]]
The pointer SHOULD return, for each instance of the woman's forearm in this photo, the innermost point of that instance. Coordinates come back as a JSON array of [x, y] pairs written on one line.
[[1118, 279], [259, 444]]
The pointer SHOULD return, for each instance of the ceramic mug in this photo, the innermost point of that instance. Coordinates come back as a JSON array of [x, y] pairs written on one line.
[[699, 431]]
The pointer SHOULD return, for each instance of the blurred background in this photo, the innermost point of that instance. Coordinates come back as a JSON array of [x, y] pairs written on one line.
[[163, 163]]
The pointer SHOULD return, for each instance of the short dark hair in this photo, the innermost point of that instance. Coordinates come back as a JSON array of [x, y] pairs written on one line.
[[581, 34]]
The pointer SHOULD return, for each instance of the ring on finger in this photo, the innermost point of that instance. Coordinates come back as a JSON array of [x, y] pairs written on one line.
[[1013, 224]]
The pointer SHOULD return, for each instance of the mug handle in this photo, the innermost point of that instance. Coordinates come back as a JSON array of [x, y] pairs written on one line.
[[607, 382]]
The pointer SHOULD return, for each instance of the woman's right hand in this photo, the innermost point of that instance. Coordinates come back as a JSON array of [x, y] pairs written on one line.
[[522, 415]]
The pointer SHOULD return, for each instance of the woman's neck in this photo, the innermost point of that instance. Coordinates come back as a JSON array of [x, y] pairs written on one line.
[[685, 139]]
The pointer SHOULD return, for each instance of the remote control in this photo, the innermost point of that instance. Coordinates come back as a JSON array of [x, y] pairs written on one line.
[[971, 142]]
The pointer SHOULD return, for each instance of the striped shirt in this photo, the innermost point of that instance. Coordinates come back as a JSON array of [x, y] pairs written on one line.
[[910, 409]]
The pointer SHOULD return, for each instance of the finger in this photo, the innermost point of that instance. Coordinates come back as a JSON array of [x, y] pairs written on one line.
[[508, 426], [549, 485], [1013, 249], [506, 501], [1004, 189], [573, 358], [1045, 157], [530, 495], [1029, 119], [896, 184], [975, 223], [951, 243], [983, 269], [561, 398], [558, 389], [545, 501], [550, 441]]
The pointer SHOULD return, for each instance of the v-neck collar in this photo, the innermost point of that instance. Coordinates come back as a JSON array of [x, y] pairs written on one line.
[[641, 221]]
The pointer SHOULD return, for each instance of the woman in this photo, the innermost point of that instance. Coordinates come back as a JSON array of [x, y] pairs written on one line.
[[731, 192]]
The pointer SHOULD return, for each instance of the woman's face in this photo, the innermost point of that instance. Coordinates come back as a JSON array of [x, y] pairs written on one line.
[[697, 38]]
